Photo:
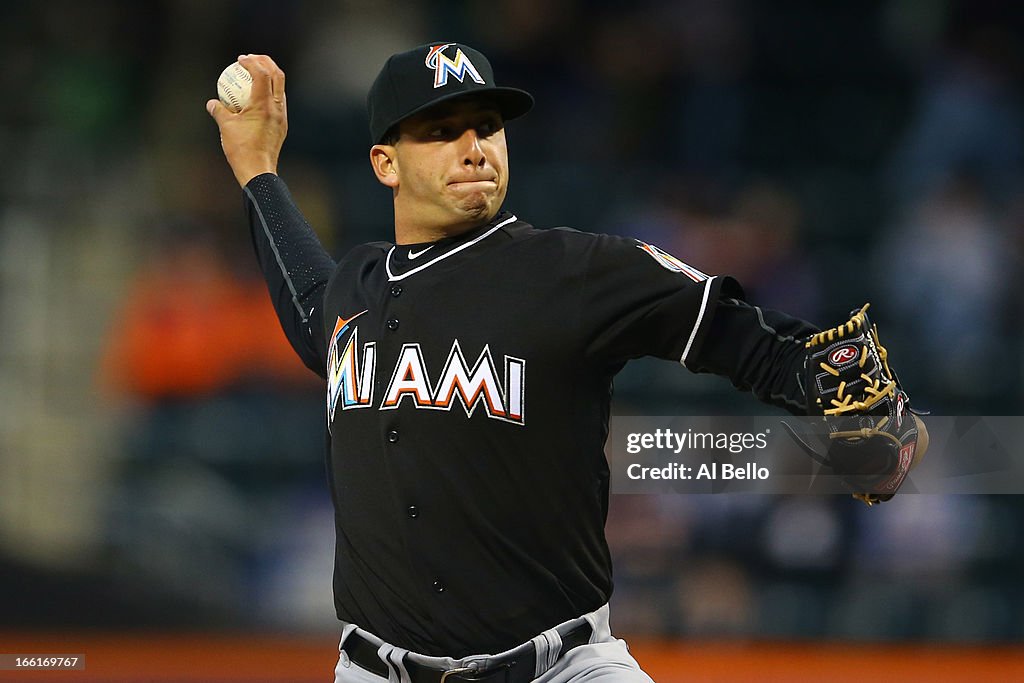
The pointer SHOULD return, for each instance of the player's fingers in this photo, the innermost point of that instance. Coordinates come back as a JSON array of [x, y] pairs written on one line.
[[277, 82], [276, 75], [257, 66], [265, 61], [217, 110]]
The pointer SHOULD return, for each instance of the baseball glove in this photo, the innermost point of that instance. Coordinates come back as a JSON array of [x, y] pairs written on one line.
[[872, 435]]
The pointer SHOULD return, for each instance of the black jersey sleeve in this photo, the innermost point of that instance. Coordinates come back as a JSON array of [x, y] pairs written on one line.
[[294, 263], [639, 300], [759, 350], [643, 301]]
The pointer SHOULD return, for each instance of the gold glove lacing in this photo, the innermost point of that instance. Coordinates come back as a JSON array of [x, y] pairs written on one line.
[[874, 389]]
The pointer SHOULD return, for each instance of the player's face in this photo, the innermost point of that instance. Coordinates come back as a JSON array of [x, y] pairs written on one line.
[[452, 164]]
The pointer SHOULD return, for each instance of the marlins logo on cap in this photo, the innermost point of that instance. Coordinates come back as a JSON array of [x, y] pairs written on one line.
[[442, 65]]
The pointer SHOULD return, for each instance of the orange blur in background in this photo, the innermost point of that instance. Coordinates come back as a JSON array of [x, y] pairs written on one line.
[[293, 659], [191, 327]]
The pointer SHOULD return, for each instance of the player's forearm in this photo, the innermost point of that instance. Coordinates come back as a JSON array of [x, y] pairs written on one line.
[[759, 350], [294, 264]]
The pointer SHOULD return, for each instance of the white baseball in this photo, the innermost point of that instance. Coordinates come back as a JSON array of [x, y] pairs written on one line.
[[234, 87]]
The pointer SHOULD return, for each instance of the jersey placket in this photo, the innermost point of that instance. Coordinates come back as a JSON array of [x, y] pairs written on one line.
[[398, 301]]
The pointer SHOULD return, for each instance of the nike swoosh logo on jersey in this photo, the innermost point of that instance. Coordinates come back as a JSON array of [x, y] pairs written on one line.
[[417, 254]]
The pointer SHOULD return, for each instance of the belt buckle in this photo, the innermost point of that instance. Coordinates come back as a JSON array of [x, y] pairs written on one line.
[[456, 672], [469, 673]]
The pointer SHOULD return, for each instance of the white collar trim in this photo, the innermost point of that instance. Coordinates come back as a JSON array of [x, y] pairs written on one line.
[[393, 278]]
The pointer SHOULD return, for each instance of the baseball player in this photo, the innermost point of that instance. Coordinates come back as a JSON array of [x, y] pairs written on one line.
[[468, 370]]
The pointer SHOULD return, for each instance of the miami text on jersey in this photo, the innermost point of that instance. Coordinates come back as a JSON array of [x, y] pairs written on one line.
[[350, 381], [343, 380]]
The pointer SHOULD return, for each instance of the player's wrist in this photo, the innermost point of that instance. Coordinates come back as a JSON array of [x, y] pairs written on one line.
[[257, 176], [249, 159], [244, 173], [246, 178]]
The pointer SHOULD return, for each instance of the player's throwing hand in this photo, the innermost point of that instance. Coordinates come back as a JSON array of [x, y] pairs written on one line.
[[252, 138]]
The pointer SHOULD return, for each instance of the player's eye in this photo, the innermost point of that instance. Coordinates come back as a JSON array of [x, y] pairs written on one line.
[[489, 127], [440, 132]]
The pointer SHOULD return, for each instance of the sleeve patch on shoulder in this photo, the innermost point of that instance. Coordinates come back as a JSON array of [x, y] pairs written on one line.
[[670, 262]]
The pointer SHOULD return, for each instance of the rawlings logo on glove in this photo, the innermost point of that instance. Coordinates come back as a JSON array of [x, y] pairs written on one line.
[[873, 437]]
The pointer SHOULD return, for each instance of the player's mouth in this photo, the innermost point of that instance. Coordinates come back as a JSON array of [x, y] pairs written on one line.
[[473, 183]]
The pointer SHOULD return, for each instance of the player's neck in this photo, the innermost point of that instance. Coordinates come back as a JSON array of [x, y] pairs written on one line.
[[416, 232]]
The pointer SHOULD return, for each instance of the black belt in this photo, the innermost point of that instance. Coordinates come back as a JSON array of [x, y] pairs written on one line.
[[517, 669]]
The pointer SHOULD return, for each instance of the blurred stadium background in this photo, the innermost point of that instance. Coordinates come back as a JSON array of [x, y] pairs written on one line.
[[160, 448]]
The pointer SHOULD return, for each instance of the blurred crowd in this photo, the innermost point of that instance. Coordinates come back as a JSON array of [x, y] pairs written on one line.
[[162, 449]]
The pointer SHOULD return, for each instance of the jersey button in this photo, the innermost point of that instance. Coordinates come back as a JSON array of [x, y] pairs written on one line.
[[439, 587], [396, 290], [393, 324], [413, 511], [393, 436]]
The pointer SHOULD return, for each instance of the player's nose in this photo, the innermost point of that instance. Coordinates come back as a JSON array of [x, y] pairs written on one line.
[[473, 152]]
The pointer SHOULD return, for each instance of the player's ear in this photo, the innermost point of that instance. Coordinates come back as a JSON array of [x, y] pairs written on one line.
[[382, 158]]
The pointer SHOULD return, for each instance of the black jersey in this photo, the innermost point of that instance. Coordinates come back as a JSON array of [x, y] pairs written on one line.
[[467, 405]]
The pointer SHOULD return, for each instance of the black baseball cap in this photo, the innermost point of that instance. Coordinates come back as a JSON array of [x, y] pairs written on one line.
[[420, 78]]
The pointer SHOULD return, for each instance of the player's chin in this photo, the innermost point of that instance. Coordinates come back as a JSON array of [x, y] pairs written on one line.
[[478, 205], [475, 215]]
